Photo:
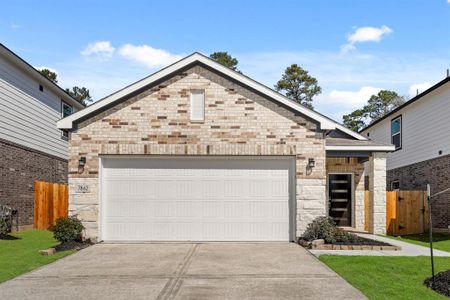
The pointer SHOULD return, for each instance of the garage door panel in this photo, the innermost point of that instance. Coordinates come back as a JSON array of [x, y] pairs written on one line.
[[196, 199]]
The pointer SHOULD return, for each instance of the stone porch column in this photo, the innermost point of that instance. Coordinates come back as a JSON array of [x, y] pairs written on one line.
[[377, 193]]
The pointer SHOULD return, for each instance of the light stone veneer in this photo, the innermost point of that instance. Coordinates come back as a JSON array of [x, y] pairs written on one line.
[[237, 122], [377, 193]]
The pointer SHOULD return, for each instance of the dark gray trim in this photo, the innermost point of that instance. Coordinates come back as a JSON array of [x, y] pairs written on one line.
[[359, 154]]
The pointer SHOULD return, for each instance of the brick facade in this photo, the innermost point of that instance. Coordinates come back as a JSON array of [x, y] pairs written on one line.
[[237, 122], [436, 172], [19, 168]]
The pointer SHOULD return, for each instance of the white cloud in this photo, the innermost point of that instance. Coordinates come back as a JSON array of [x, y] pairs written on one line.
[[347, 81], [148, 56], [17, 26], [365, 34], [352, 99], [351, 72], [100, 48], [418, 88], [44, 67]]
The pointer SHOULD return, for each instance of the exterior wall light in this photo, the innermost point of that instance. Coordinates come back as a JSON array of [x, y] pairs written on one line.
[[311, 163], [82, 162]]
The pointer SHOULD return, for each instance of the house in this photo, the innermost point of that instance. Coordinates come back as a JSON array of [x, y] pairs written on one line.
[[31, 146], [420, 131], [197, 151]]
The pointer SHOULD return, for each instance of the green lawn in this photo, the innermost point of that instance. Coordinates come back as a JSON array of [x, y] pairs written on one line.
[[18, 256], [388, 277], [441, 241]]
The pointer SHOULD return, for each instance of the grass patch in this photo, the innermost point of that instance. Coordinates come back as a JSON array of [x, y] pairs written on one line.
[[388, 277], [19, 253], [441, 241]]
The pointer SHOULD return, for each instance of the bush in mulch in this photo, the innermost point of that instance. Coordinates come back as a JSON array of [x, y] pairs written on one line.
[[67, 229], [442, 283], [325, 228]]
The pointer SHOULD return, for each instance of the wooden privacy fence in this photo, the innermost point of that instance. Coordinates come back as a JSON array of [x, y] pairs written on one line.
[[406, 212], [51, 201]]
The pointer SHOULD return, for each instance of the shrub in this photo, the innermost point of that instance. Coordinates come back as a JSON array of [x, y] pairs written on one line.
[[320, 228], [5, 226], [325, 228], [67, 229]]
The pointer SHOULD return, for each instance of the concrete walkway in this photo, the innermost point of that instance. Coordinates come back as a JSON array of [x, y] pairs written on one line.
[[408, 249], [184, 271]]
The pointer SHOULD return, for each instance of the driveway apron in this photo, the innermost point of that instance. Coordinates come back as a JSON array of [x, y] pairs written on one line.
[[183, 271]]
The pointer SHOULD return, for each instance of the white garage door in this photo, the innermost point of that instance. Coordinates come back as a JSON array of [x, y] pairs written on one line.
[[195, 199]]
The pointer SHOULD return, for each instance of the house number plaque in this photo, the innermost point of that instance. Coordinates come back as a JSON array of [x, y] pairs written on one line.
[[82, 188]]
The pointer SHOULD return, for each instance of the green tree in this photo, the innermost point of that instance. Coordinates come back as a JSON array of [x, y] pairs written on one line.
[[52, 76], [298, 85], [377, 106], [225, 59], [81, 94], [382, 103], [355, 120]]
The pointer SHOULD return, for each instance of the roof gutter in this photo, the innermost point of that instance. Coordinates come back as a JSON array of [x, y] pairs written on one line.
[[374, 148]]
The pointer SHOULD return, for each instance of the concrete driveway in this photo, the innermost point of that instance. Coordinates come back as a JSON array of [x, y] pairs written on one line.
[[183, 271]]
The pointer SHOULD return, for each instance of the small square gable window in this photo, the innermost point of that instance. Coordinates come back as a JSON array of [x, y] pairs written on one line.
[[197, 105]]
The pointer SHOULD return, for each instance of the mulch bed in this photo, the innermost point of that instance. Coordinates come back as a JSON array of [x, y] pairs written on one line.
[[72, 245], [361, 242], [442, 281]]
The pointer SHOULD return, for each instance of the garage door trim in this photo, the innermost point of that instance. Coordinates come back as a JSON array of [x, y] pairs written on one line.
[[291, 181]]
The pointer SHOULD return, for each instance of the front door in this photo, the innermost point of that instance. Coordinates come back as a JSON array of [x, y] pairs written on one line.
[[340, 198]]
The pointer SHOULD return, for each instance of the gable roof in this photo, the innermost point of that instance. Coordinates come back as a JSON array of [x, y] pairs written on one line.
[[416, 98], [20, 63], [325, 122]]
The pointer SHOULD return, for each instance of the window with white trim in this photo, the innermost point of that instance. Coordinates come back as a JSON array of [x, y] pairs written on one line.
[[395, 185], [197, 105], [66, 110], [396, 132]]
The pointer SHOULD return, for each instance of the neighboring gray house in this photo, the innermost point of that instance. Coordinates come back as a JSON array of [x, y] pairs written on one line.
[[420, 131], [31, 146], [198, 151]]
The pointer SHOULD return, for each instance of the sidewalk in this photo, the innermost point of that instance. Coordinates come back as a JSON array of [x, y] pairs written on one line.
[[407, 249]]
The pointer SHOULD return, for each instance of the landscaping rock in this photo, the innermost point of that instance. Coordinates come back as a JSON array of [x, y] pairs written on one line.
[[47, 252], [317, 243], [304, 243]]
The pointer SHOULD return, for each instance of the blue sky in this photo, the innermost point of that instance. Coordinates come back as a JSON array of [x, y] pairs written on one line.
[[354, 48]]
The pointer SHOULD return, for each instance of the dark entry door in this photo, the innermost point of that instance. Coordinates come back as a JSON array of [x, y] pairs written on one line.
[[340, 198]]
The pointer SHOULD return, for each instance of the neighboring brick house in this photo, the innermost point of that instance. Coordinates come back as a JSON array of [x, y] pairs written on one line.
[[198, 151], [31, 146], [420, 131]]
